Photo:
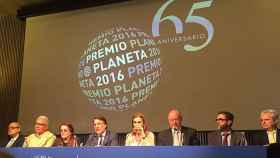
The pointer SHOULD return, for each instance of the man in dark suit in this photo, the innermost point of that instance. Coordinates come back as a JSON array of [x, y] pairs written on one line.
[[101, 136], [225, 135], [15, 139], [270, 134], [177, 135]]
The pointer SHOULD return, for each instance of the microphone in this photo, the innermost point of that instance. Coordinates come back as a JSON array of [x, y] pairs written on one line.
[[176, 129]]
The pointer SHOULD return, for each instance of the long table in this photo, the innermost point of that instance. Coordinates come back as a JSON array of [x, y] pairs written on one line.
[[141, 152]]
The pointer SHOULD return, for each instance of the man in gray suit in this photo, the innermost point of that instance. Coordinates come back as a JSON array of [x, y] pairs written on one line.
[[101, 136], [177, 135], [225, 135]]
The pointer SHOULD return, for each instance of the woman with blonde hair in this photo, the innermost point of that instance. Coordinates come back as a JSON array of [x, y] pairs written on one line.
[[139, 136]]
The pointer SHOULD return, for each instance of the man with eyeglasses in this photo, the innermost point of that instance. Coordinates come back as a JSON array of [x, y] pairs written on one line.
[[177, 135], [101, 136], [270, 134], [15, 138], [225, 135], [42, 136]]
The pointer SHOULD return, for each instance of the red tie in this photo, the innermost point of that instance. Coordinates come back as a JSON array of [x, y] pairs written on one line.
[[225, 141]]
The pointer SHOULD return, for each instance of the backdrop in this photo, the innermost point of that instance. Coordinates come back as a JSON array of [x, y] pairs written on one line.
[[150, 56]]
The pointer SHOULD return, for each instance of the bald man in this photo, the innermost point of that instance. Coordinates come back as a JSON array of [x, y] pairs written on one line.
[[177, 135], [15, 138], [42, 137]]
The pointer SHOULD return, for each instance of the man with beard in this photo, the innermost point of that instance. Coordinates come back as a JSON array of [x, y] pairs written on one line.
[[225, 135]]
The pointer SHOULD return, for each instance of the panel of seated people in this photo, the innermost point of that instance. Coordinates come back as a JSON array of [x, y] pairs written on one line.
[[201, 135], [139, 134]]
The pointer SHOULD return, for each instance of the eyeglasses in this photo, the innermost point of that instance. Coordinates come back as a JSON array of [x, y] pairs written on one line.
[[40, 124], [137, 121], [13, 127], [221, 119]]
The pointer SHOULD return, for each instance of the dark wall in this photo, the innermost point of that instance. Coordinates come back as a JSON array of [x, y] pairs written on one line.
[[11, 57]]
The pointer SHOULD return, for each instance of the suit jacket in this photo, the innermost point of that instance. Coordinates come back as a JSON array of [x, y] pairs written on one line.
[[165, 137], [110, 139], [237, 138], [18, 143], [261, 138]]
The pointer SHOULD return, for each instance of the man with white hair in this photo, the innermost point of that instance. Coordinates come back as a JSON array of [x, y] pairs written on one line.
[[42, 137], [269, 119]]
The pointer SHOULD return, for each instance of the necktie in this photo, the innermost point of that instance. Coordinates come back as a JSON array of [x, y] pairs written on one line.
[[177, 138], [100, 141], [271, 136], [225, 140]]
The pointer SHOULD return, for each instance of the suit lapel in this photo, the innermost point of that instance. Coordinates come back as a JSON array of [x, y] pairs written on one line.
[[18, 141], [105, 141], [186, 136], [15, 143], [169, 137], [278, 135], [95, 139], [233, 139], [265, 137], [218, 138]]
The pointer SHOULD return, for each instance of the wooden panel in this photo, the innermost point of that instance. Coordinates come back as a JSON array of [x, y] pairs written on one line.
[[11, 59]]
